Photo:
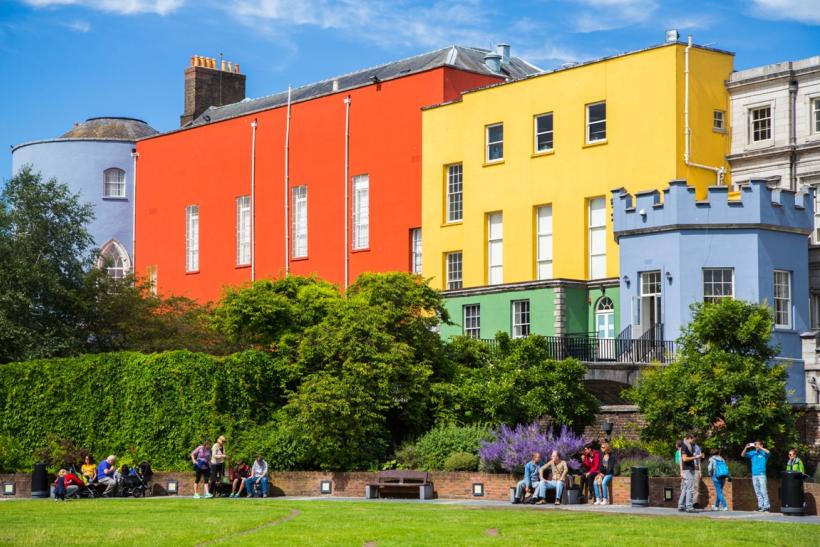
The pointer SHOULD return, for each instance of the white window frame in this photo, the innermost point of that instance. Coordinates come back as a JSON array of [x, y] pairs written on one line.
[[719, 120], [192, 238], [605, 308], [495, 248], [415, 251], [489, 144], [455, 276], [751, 123], [299, 226], [520, 310], [361, 212], [471, 320], [543, 242], [114, 188], [550, 133], [455, 193], [781, 300], [595, 228], [814, 115], [713, 283], [589, 124], [243, 231]]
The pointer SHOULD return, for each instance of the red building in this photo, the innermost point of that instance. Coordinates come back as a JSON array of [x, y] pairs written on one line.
[[211, 205]]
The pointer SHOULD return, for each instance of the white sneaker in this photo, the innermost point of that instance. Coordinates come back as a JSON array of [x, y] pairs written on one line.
[[597, 501], [603, 502]]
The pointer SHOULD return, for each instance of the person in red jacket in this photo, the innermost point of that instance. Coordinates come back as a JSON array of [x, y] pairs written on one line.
[[591, 463], [72, 483]]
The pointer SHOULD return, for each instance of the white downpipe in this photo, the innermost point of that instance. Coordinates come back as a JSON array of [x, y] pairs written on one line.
[[254, 124], [135, 155], [347, 191], [687, 132], [287, 184]]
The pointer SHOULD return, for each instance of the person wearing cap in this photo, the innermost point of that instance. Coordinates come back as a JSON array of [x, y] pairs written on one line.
[[105, 475], [217, 464]]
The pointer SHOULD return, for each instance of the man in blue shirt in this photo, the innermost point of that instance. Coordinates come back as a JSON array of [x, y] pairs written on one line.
[[105, 475], [531, 478], [758, 456]]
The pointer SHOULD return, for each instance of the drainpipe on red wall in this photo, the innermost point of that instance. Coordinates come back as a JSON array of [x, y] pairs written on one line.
[[254, 124], [347, 190], [135, 155], [287, 184]]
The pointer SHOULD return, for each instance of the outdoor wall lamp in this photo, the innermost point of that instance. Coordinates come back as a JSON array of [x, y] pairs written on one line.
[[669, 277], [172, 487], [325, 487], [9, 488], [667, 493], [607, 428], [626, 280], [478, 489]]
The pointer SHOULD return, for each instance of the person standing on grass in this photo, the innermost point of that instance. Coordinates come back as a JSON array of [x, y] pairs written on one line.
[[758, 456], [687, 462], [105, 475], [605, 477], [795, 464], [719, 472], [530, 481], [591, 462], [217, 464], [259, 474], [201, 458]]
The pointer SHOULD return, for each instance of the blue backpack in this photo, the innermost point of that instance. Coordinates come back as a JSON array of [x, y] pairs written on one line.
[[720, 469]]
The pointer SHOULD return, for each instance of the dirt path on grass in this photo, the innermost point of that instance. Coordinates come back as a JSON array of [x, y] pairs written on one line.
[[293, 514]]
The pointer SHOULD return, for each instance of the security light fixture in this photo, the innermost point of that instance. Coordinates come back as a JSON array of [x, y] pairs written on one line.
[[325, 487], [626, 280], [667, 493], [172, 487], [607, 428], [669, 277], [672, 35], [478, 489], [9, 489]]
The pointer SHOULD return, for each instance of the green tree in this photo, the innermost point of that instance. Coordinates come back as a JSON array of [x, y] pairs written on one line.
[[722, 385]]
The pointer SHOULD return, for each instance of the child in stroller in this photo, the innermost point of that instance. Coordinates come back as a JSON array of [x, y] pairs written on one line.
[[134, 481]]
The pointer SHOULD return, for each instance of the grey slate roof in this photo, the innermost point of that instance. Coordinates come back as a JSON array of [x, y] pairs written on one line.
[[115, 128], [465, 58]]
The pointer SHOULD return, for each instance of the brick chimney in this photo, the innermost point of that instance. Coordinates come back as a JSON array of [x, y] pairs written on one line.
[[207, 84]]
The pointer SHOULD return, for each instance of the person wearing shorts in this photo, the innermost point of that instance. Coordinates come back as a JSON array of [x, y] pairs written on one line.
[[201, 458]]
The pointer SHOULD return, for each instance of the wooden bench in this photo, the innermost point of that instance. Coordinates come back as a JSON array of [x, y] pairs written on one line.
[[400, 481]]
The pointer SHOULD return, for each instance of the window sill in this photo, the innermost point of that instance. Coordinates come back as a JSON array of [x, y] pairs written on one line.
[[242, 266], [784, 329], [191, 272], [494, 162], [114, 198], [760, 145], [549, 152], [594, 143], [721, 131], [298, 258], [362, 250], [454, 223]]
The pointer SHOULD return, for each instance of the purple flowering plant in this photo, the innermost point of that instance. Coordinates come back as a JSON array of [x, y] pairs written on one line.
[[514, 447]]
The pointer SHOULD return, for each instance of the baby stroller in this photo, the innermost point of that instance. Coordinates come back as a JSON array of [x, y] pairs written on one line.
[[134, 482], [87, 491]]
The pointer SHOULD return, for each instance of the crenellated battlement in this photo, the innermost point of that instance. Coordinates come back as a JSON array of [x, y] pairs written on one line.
[[756, 206]]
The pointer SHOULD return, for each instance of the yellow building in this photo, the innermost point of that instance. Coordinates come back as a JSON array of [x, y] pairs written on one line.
[[516, 178]]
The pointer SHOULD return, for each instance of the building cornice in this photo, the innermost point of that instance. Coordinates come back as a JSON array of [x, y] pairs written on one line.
[[784, 75], [60, 140], [778, 151], [712, 228], [607, 283]]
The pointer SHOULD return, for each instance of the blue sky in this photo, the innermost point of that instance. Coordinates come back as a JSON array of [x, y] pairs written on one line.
[[62, 61]]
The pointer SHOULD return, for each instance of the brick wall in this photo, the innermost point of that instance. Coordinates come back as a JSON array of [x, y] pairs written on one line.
[[627, 421]]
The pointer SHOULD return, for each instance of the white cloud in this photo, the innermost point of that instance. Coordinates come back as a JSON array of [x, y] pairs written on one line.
[[803, 11], [122, 7], [600, 15], [78, 25], [548, 52]]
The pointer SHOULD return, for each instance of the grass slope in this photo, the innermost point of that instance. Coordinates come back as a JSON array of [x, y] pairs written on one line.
[[181, 522]]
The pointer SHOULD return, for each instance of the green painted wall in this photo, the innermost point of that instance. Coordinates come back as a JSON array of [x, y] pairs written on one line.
[[614, 294], [496, 312]]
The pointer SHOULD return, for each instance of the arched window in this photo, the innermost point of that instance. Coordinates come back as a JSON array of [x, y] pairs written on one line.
[[114, 260], [114, 183], [605, 318]]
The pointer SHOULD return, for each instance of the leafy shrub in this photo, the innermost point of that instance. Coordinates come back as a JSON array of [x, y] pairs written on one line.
[[625, 449], [461, 461], [13, 457], [738, 469], [817, 474], [656, 466], [514, 447], [436, 445], [408, 457]]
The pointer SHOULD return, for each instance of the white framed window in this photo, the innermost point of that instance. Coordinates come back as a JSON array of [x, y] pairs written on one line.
[[782, 299], [114, 259], [543, 132], [815, 311], [543, 234], [718, 283], [596, 122], [361, 212], [472, 320], [153, 279], [415, 250], [300, 221], [495, 249], [719, 120], [454, 192], [815, 115], [243, 230], [597, 238], [760, 123], [454, 270], [114, 183], [192, 238], [520, 318], [495, 142]]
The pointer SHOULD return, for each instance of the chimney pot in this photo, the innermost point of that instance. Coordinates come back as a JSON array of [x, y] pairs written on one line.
[[224, 64], [504, 51], [335, 85], [203, 90], [236, 68], [493, 62]]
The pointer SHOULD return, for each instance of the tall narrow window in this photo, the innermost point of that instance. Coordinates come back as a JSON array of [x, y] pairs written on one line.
[[192, 238], [495, 142], [153, 279], [718, 120], [816, 215], [760, 124], [415, 250], [472, 320], [815, 115], [543, 132], [605, 318], [495, 249], [543, 232], [597, 238], [782, 299], [114, 259], [361, 212], [596, 122], [114, 183], [718, 283], [300, 221], [243, 230], [454, 193], [453, 270], [520, 318]]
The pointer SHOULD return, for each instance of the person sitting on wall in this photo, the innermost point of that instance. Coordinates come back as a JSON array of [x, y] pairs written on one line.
[[239, 474], [105, 475], [259, 474], [603, 479], [89, 469], [530, 481], [558, 470], [591, 463]]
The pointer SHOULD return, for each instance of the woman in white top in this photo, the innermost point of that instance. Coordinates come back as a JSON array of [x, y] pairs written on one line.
[[217, 463]]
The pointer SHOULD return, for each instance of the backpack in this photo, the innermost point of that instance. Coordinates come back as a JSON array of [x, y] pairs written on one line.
[[720, 468]]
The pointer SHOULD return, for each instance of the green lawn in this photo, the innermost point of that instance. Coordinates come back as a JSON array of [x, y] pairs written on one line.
[[181, 522]]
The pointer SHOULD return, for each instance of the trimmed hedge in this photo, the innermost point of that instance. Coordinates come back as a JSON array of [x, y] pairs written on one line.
[[156, 407]]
